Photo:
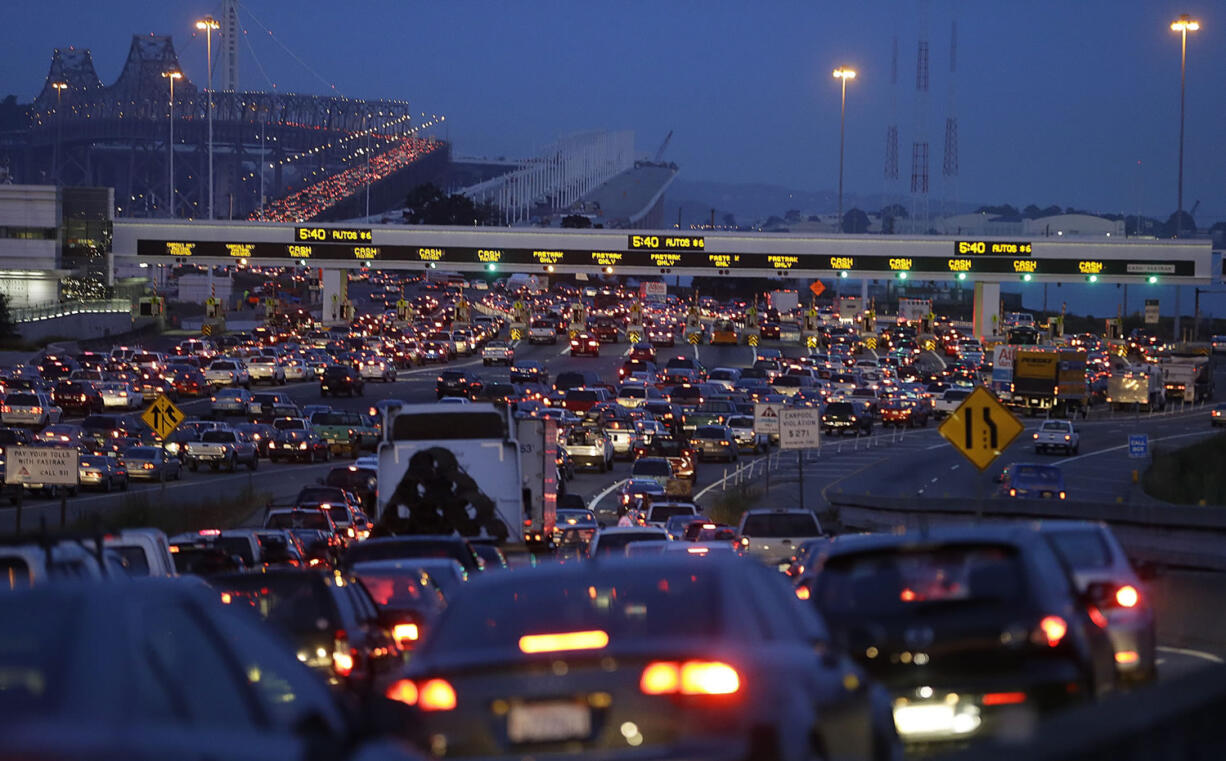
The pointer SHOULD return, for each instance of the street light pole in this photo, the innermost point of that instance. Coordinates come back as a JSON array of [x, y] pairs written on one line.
[[60, 87], [170, 196], [842, 73], [207, 25], [1183, 25]]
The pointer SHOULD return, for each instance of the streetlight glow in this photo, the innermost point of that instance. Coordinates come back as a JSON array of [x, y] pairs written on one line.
[[842, 74], [207, 23], [1185, 24]]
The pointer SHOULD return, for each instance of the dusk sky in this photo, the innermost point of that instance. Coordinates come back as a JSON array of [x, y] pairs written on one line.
[[1057, 101]]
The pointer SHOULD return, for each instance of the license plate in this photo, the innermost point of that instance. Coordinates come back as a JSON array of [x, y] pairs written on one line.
[[548, 722], [929, 719], [1046, 494]]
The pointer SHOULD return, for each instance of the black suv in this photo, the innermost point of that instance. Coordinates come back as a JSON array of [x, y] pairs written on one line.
[[846, 417], [971, 628], [339, 379], [455, 383]]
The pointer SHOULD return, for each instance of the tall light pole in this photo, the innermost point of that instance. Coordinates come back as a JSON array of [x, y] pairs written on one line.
[[60, 87], [170, 196], [1183, 25], [207, 25], [842, 73]]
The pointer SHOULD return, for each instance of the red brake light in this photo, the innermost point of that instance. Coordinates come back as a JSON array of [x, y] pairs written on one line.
[[437, 695], [689, 678], [405, 633], [402, 690], [1052, 630], [342, 655], [1003, 698], [660, 678], [1127, 596]]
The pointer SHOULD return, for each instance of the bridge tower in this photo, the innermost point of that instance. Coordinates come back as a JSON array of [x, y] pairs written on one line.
[[230, 33], [890, 175], [949, 169], [919, 144]]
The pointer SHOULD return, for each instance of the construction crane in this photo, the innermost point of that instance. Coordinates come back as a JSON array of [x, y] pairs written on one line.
[[660, 153]]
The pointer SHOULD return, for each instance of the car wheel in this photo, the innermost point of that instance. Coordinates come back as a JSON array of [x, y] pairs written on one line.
[[254, 464], [328, 454], [108, 486], [162, 476], [1076, 448], [214, 467]]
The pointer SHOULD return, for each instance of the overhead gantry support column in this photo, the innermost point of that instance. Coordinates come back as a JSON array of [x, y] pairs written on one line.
[[336, 307], [987, 309]]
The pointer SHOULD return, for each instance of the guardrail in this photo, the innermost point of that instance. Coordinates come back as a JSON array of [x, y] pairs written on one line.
[[1187, 536], [68, 308]]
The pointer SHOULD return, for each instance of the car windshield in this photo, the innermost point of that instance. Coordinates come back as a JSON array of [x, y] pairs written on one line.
[[781, 524], [894, 582], [298, 604], [1082, 549], [312, 519], [142, 453], [673, 604], [289, 425], [21, 400]]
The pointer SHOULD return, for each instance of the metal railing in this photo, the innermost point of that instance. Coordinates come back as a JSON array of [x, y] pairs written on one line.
[[68, 308]]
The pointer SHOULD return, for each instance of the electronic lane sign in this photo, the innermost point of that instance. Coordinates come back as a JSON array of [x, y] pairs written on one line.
[[981, 428]]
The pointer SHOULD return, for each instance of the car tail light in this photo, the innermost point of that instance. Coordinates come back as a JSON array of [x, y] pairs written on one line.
[[1051, 631], [802, 593], [1127, 596], [552, 643], [1127, 656], [402, 690], [1063, 495], [436, 695], [689, 678], [1003, 698], [342, 655], [1013, 492]]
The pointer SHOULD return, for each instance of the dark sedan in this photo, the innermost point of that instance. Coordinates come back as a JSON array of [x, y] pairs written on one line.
[[339, 379], [640, 659], [77, 397]]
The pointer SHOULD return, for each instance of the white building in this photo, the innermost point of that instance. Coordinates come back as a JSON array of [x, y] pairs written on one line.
[[1073, 224], [30, 244]]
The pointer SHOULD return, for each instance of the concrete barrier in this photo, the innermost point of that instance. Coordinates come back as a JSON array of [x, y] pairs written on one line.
[[1172, 535], [78, 326]]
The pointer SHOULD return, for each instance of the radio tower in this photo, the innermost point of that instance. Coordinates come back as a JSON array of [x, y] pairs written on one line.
[[230, 33], [950, 168], [919, 145], [891, 132]]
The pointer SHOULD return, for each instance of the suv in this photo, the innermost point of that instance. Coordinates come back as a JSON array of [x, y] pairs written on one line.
[[454, 383], [773, 535], [542, 331], [843, 417], [338, 379]]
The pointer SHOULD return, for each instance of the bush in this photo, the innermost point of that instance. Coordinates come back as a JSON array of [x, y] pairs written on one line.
[[1190, 475]]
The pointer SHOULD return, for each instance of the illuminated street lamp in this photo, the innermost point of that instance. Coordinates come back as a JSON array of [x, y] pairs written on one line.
[[842, 73], [60, 87], [172, 76], [1183, 25], [207, 25]]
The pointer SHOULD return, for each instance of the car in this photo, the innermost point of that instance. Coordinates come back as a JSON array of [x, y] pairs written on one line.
[[454, 383], [302, 444], [32, 409], [228, 372], [637, 494], [102, 472], [1024, 480], [949, 401], [408, 602], [772, 535], [152, 464], [328, 620], [1217, 415], [418, 547], [339, 379], [658, 469], [77, 397], [374, 368], [1218, 344], [662, 512], [714, 442], [574, 526], [584, 345], [529, 371], [230, 401], [937, 594], [342, 431], [613, 540], [1096, 559], [747, 439], [500, 352], [1057, 434], [542, 331], [845, 417], [904, 413], [677, 674]]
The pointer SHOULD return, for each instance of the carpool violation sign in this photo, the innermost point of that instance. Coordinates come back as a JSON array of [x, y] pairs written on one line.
[[53, 466]]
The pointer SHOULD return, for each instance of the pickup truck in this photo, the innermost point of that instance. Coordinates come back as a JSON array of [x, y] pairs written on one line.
[[221, 449], [714, 412], [1057, 434], [542, 332], [588, 447], [228, 372]]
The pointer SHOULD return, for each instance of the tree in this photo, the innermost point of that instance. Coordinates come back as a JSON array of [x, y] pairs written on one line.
[[1170, 229], [428, 205], [855, 221], [1032, 212], [792, 215], [576, 221]]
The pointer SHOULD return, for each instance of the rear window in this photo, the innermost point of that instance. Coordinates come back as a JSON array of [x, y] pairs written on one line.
[[674, 605], [781, 524], [221, 437], [397, 587], [633, 393], [652, 468], [661, 513], [898, 583], [1083, 550], [298, 519], [297, 604], [415, 549], [22, 400], [580, 395], [1037, 474], [1054, 426], [222, 366]]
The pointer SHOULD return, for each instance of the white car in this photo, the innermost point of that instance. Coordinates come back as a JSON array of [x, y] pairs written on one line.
[[746, 438], [297, 368], [1057, 434], [773, 535], [497, 351], [377, 368], [542, 332], [266, 369], [120, 395], [228, 372], [590, 448], [29, 408]]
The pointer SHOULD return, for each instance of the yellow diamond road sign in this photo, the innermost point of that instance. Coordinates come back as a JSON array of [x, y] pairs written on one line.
[[694, 338], [517, 334], [635, 337], [981, 428], [753, 340], [162, 416]]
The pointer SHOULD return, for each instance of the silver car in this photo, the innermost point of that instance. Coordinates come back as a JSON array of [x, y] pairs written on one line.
[[29, 408]]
